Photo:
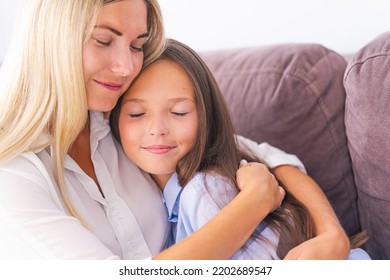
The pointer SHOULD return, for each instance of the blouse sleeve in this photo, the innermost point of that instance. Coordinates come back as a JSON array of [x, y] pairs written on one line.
[[269, 154], [33, 223]]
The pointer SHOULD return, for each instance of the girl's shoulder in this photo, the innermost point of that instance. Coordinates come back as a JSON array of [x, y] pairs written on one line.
[[209, 186], [210, 179]]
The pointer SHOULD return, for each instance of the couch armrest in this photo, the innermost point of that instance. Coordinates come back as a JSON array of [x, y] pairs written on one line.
[[367, 120]]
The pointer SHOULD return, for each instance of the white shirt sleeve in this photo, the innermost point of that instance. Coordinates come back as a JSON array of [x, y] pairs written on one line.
[[268, 154], [34, 225]]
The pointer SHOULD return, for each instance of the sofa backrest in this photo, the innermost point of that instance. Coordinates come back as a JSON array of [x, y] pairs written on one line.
[[292, 96], [367, 120]]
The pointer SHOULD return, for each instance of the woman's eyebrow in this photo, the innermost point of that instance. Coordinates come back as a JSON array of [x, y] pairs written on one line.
[[118, 33]]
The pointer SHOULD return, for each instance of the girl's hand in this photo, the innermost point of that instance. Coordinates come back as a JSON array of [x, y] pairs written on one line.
[[257, 178]]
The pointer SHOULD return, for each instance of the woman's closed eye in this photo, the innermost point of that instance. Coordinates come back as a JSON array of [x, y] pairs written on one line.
[[138, 45], [137, 48], [102, 43]]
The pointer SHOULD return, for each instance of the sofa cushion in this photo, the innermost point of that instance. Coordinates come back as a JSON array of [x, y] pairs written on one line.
[[367, 119], [292, 97]]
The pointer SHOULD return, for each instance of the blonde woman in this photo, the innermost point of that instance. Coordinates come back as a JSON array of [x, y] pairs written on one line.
[[67, 190]]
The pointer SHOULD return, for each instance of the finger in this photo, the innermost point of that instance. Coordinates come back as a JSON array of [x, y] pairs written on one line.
[[282, 192], [243, 162]]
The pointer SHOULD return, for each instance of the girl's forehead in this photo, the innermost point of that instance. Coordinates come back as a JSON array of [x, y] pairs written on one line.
[[161, 77]]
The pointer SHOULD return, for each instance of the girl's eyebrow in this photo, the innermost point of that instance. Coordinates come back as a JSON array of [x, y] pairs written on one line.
[[128, 100], [118, 33], [175, 100]]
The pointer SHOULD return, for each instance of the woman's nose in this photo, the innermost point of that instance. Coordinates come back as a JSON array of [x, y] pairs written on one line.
[[123, 64]]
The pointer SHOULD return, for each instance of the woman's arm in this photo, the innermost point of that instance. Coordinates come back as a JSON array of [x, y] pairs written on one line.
[[33, 223], [330, 242], [233, 225]]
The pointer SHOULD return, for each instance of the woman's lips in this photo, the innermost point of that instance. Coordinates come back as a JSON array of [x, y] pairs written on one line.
[[109, 86], [158, 149]]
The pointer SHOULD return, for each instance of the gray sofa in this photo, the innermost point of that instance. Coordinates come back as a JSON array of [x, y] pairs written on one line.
[[332, 113]]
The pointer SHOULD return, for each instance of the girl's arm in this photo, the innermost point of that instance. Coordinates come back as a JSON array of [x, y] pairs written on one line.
[[232, 226], [330, 242]]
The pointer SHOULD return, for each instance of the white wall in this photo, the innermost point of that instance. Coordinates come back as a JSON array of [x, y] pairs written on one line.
[[342, 25], [8, 10]]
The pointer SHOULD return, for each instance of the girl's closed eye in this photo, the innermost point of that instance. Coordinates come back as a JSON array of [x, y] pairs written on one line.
[[180, 114], [183, 108], [136, 115], [133, 109]]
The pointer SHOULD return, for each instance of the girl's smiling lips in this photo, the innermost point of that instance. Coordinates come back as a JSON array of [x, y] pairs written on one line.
[[109, 85], [158, 149]]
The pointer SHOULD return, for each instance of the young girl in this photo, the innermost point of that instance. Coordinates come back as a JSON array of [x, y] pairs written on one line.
[[174, 124]]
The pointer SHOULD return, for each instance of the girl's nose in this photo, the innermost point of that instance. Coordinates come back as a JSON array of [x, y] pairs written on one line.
[[158, 127]]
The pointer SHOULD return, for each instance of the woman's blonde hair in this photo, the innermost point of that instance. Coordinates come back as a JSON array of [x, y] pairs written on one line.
[[42, 90]]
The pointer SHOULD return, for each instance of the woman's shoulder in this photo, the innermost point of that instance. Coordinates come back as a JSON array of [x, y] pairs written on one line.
[[31, 176], [27, 167]]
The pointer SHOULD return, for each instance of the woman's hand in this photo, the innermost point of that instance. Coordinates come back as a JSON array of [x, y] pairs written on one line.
[[331, 245], [257, 178], [330, 242]]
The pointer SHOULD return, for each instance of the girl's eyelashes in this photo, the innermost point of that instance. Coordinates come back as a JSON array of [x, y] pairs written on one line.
[[180, 114], [134, 116]]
